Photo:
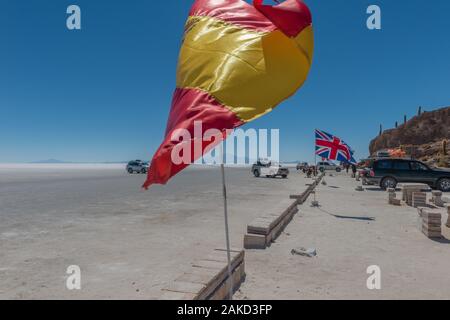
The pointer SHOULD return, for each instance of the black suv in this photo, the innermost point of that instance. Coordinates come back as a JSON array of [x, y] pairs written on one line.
[[388, 172]]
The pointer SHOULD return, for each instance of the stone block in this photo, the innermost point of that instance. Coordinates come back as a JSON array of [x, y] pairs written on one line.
[[395, 202], [419, 199], [261, 226], [432, 234], [432, 228], [431, 220], [430, 214], [222, 291], [254, 241]]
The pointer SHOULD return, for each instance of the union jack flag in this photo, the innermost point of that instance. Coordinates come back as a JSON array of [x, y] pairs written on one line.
[[331, 147]]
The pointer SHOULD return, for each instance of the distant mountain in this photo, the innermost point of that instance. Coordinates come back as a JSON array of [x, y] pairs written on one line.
[[55, 161], [52, 161]]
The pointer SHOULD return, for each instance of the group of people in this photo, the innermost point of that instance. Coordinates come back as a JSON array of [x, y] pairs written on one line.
[[313, 171], [347, 167]]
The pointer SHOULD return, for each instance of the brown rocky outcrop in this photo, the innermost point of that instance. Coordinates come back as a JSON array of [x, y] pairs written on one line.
[[424, 137]]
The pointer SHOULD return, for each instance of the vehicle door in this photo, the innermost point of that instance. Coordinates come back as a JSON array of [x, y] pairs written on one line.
[[265, 169], [421, 173], [383, 168], [402, 171]]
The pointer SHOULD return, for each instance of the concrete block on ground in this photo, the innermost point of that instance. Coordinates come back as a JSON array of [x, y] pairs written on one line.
[[395, 202], [222, 292], [208, 277], [261, 226], [254, 241], [409, 188], [431, 213], [433, 228], [431, 223], [419, 199], [432, 234], [416, 186], [263, 230]]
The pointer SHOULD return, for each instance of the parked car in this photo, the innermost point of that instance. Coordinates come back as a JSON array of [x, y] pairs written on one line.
[[387, 173], [302, 166], [325, 166], [269, 169], [137, 166]]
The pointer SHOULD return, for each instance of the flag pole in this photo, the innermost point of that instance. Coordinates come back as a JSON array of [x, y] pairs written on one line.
[[227, 232]]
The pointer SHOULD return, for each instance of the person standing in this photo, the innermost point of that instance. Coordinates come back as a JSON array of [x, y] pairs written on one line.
[[353, 171]]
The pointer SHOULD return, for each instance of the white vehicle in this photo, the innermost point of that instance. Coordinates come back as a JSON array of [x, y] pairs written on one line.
[[266, 168], [328, 166]]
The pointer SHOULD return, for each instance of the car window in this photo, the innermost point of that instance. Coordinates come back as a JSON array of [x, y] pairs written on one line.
[[384, 164], [417, 166], [401, 165]]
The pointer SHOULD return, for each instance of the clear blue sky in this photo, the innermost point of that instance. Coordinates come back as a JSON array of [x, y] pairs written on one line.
[[103, 93]]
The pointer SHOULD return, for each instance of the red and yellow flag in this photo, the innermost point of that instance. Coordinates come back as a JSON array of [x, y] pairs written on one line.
[[237, 62]]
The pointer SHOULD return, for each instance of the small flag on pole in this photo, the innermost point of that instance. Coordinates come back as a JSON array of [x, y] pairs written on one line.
[[330, 147]]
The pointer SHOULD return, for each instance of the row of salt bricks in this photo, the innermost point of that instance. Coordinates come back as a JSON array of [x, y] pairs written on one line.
[[431, 222], [413, 198], [408, 191]]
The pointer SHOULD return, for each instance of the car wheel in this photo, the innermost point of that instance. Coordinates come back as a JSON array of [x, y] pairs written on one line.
[[388, 182], [322, 169], [444, 184], [256, 173], [284, 176], [144, 171], [130, 171]]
